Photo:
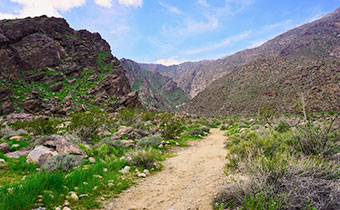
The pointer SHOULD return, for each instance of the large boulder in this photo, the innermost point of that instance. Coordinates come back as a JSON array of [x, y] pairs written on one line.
[[31, 105], [17, 154], [124, 130], [63, 146], [4, 147], [40, 154], [14, 117], [6, 108]]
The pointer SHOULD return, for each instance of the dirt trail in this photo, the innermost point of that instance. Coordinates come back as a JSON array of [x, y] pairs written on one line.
[[188, 181]]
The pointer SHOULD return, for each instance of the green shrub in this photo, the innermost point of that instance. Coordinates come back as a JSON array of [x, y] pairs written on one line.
[[171, 129], [150, 141], [202, 131], [86, 125], [282, 127], [312, 140], [127, 115], [62, 162], [113, 143], [143, 158], [224, 127], [148, 115], [40, 126]]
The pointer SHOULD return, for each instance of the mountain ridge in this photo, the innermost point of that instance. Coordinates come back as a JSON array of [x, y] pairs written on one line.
[[303, 60], [194, 77]]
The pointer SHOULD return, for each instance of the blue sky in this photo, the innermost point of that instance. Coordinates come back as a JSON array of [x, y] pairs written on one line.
[[173, 31]]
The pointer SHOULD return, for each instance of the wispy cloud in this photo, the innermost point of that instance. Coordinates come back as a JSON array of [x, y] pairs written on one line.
[[170, 8], [203, 3], [220, 44], [169, 61], [104, 3], [135, 3], [31, 8]]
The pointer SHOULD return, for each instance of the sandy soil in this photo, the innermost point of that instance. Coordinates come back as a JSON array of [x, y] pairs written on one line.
[[189, 180]]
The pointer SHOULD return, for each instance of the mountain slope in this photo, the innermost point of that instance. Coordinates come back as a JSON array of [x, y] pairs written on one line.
[[194, 77], [303, 60], [154, 90], [47, 67]]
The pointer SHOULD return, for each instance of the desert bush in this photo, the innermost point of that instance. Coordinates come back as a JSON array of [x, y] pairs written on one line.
[[107, 150], [224, 127], [301, 179], [267, 112], [283, 126], [313, 140], [202, 131], [148, 115], [62, 162], [293, 182], [127, 115], [143, 158], [39, 126], [171, 128], [113, 143], [87, 124], [150, 141]]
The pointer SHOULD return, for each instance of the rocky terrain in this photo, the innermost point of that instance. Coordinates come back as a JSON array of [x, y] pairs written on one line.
[[155, 91], [47, 67], [300, 64]]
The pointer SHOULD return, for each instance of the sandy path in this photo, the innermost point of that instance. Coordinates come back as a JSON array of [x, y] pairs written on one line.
[[188, 181]]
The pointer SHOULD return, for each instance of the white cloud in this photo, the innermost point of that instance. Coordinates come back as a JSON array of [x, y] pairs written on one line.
[[203, 3], [33, 8], [135, 3], [170, 8], [220, 44], [169, 62], [104, 3]]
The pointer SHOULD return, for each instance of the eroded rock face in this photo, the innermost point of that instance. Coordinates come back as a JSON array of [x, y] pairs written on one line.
[[63, 146], [40, 154], [46, 50]]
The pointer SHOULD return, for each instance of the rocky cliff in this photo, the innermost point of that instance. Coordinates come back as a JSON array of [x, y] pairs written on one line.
[[301, 62], [155, 90], [47, 67]]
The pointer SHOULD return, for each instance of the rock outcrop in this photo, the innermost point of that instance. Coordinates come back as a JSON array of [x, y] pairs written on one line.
[[43, 57]]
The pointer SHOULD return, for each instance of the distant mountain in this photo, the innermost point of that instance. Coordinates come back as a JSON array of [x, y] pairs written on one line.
[[302, 60], [194, 77], [155, 90]]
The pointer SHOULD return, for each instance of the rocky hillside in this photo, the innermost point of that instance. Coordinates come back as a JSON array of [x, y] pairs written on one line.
[[303, 60], [155, 90], [194, 77], [47, 67]]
